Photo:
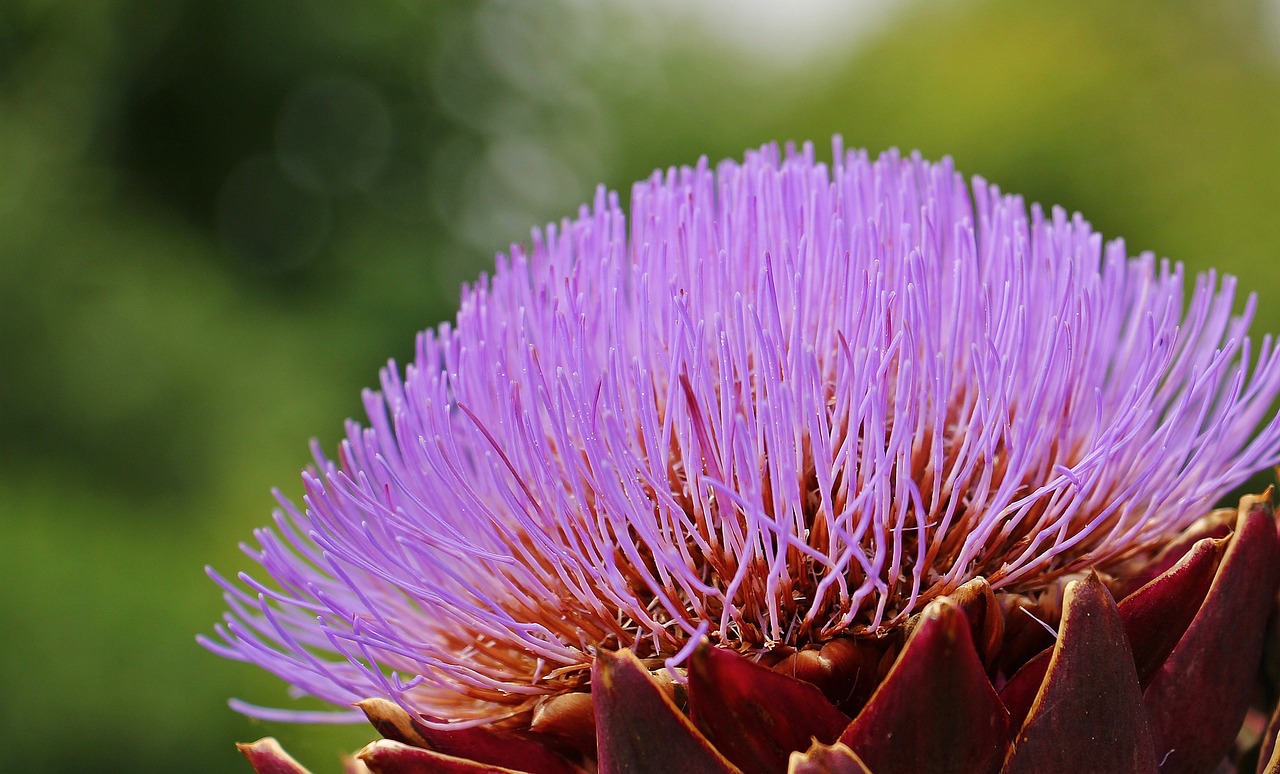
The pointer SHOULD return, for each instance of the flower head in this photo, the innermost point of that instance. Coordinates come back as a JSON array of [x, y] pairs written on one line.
[[785, 404]]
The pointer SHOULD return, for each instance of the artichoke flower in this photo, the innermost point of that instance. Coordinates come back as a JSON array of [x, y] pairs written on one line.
[[802, 467]]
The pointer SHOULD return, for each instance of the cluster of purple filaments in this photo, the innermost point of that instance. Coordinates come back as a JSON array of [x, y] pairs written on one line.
[[789, 400]]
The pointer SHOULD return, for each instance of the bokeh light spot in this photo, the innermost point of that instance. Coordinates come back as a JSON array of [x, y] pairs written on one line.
[[269, 223], [333, 136]]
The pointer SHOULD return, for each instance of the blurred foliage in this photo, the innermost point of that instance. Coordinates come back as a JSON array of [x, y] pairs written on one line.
[[219, 218]]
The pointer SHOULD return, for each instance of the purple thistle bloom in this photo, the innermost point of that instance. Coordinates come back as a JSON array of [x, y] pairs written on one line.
[[786, 402]]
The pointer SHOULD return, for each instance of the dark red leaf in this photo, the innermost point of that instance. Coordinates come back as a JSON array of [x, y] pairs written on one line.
[[473, 744], [389, 757], [1088, 714], [1217, 524], [266, 756], [1199, 697], [1158, 614], [1020, 692], [480, 745], [754, 715], [935, 712], [1269, 751], [639, 730], [1269, 760], [827, 759]]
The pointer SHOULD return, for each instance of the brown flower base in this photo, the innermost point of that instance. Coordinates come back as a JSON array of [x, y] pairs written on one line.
[[1169, 678]]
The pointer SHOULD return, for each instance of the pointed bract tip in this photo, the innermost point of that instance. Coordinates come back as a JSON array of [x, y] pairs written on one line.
[[391, 721], [353, 765], [568, 717], [639, 729], [1090, 691], [266, 756], [977, 601], [754, 715], [826, 759], [1201, 693], [935, 711], [1263, 500]]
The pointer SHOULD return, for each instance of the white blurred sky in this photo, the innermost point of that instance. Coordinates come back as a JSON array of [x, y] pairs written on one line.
[[785, 33]]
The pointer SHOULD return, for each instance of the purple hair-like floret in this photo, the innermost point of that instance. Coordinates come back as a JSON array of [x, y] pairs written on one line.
[[788, 401]]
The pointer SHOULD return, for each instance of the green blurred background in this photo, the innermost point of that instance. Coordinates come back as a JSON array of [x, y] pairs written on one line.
[[218, 219]]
